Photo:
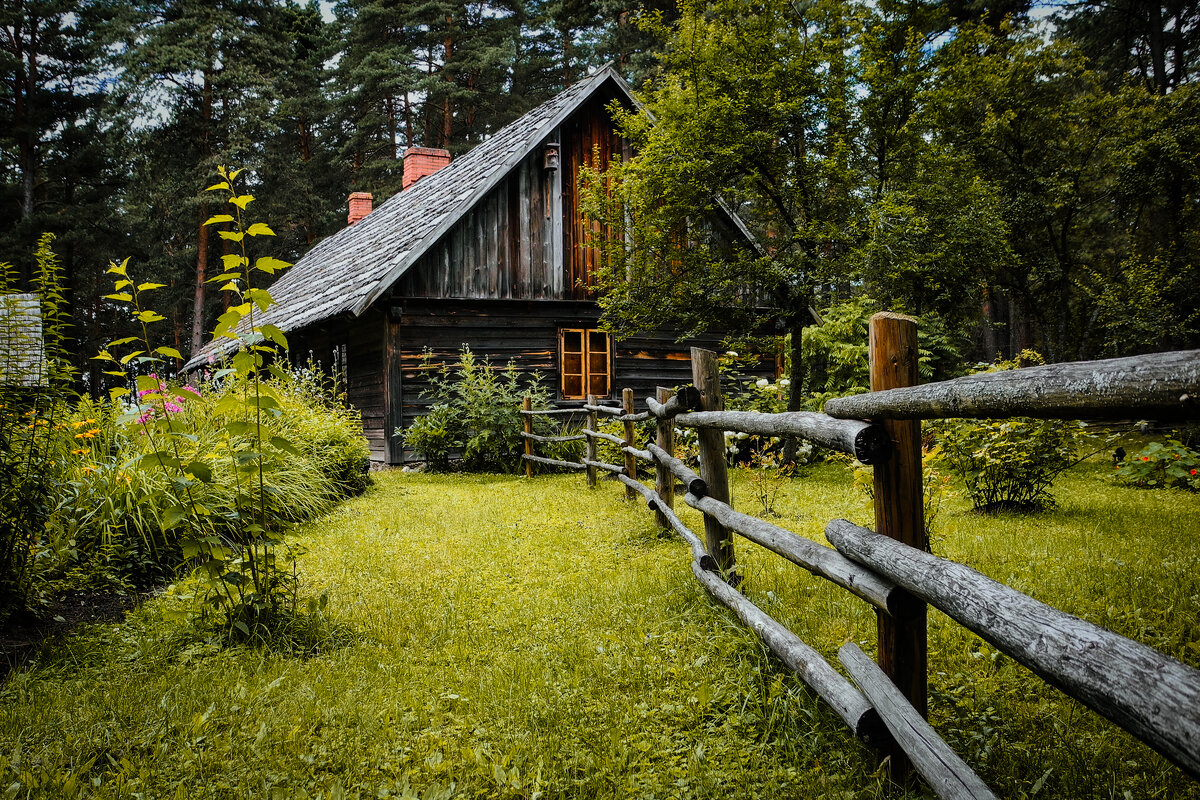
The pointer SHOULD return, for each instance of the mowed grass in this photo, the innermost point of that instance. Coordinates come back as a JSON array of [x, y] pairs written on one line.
[[518, 639]]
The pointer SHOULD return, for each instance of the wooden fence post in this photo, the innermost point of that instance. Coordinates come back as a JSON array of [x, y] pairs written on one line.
[[591, 442], [528, 406], [717, 539], [664, 481], [630, 461], [899, 512]]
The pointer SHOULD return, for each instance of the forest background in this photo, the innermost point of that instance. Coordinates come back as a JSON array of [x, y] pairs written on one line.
[[1024, 174]]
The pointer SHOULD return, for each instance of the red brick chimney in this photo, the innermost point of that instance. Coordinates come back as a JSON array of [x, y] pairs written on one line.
[[360, 206], [422, 161]]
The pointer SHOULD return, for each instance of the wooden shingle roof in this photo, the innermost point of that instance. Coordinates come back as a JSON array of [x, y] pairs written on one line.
[[350, 270]]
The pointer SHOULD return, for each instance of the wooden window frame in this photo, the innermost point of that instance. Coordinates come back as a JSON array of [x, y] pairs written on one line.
[[577, 385]]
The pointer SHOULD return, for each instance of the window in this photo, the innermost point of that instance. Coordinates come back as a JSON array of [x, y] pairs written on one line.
[[586, 359]]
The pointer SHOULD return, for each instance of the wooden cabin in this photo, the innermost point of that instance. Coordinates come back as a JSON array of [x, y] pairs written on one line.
[[23, 364], [487, 250]]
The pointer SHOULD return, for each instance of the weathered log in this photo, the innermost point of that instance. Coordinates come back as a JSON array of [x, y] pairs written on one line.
[[633, 452], [664, 431], [550, 412], [630, 459], [640, 416], [1151, 695], [553, 462], [846, 701], [694, 483], [707, 378], [601, 409], [900, 513], [591, 442], [533, 437], [527, 420], [617, 468], [608, 437], [655, 503], [686, 398], [946, 773], [865, 441], [822, 561], [1156, 386]]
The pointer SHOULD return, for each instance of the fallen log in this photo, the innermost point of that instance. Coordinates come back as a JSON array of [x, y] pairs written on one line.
[[1149, 694]]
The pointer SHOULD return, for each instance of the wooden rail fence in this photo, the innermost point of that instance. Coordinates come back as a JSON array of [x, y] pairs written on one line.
[[1153, 696]]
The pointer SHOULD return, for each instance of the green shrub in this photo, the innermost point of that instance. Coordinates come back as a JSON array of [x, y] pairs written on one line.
[[475, 414], [1161, 465], [35, 386], [1009, 464]]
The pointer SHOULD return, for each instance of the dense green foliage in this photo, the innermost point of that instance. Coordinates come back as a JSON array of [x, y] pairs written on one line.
[[35, 379], [1160, 465], [964, 167], [587, 661], [475, 414], [1009, 464]]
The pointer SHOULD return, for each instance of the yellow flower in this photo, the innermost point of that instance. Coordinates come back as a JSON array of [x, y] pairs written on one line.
[[88, 470]]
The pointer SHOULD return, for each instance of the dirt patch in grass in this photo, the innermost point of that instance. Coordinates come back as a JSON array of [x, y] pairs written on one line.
[[23, 634]]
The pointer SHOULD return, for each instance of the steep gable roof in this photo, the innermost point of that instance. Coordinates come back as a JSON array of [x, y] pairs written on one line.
[[351, 269]]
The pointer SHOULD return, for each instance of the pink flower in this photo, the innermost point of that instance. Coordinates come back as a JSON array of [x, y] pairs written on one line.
[[192, 389]]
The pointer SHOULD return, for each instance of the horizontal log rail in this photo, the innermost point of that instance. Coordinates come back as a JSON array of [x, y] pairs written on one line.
[[865, 441], [686, 398], [615, 411], [533, 437], [692, 482], [608, 437], [822, 561], [846, 701], [1151, 695], [644, 455], [946, 773], [550, 412], [1156, 386], [553, 462], [619, 469]]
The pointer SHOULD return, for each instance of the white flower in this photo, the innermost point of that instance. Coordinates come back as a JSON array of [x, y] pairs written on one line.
[[732, 354], [784, 382], [762, 383]]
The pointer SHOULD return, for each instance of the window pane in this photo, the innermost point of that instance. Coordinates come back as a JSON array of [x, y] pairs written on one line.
[[573, 386], [598, 385], [572, 364], [572, 341]]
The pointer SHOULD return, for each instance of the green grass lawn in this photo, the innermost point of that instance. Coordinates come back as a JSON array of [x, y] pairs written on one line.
[[517, 638]]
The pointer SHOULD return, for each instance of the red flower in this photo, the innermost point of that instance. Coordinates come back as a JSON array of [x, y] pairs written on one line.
[[1145, 458], [1193, 472]]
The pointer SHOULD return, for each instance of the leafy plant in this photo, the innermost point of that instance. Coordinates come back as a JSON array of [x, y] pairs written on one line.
[[237, 549], [35, 384], [1160, 465], [475, 415], [1009, 464]]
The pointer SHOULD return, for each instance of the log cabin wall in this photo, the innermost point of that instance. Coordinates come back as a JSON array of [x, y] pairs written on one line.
[[526, 333], [353, 347]]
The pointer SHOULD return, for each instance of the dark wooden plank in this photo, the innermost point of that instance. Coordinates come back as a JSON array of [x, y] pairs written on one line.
[[706, 378]]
